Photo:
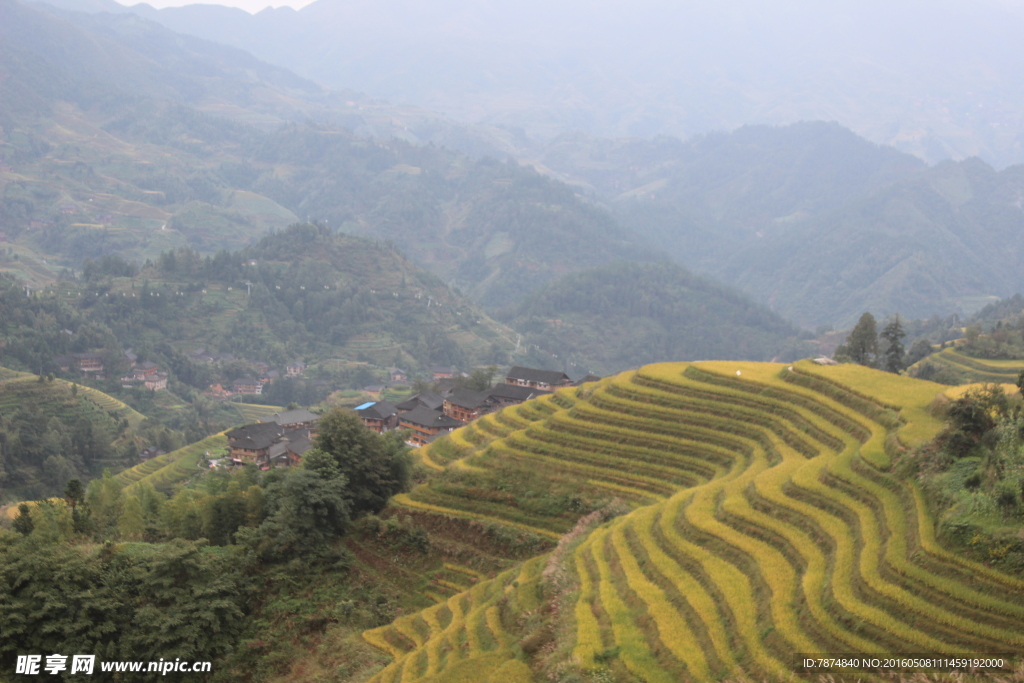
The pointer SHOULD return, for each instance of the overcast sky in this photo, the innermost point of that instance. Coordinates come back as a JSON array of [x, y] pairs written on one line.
[[251, 6]]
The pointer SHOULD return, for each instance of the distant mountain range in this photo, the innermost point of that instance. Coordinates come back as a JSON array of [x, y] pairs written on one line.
[[122, 136], [813, 220], [110, 150], [938, 78]]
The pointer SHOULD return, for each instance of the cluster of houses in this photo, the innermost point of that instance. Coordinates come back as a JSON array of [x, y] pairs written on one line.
[[429, 415], [276, 441], [89, 363], [446, 377], [247, 385], [147, 374], [282, 439]]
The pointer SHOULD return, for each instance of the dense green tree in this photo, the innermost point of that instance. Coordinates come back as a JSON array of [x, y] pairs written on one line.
[[920, 349], [105, 501], [74, 496], [168, 601], [973, 417], [364, 458], [191, 605], [861, 345], [480, 379], [893, 335], [305, 509], [23, 522]]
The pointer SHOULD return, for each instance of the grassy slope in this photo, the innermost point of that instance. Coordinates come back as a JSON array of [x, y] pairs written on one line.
[[164, 471], [765, 523], [970, 370]]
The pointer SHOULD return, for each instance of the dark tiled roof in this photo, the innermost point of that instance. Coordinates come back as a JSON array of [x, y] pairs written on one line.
[[513, 392], [587, 378], [294, 441], [447, 384], [255, 437], [431, 419], [467, 398], [299, 444], [381, 410], [533, 375], [427, 398]]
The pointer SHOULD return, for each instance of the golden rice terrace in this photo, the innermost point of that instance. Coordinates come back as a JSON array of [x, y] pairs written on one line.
[[764, 524]]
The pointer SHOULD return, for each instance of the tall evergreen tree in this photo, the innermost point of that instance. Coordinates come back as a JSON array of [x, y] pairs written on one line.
[[893, 335]]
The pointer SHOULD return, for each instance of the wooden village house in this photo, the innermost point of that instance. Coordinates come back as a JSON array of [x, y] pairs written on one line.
[[425, 423], [268, 444], [467, 405], [380, 416], [537, 379]]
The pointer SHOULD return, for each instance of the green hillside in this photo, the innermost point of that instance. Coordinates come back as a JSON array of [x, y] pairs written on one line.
[[52, 431], [607, 319], [339, 301], [766, 522]]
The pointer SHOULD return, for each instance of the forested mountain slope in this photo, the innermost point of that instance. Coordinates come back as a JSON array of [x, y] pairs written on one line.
[[105, 150], [338, 301], [810, 219], [607, 319]]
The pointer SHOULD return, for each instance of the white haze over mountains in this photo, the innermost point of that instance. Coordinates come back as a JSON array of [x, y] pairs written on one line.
[[938, 78], [250, 6]]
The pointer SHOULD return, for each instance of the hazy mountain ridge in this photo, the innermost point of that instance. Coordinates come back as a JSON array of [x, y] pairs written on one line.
[[935, 79], [809, 218], [939, 241], [136, 171]]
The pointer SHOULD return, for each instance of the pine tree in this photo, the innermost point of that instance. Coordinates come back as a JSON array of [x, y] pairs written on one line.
[[893, 335]]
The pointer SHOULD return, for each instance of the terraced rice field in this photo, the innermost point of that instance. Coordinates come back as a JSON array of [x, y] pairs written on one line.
[[463, 636], [164, 471], [765, 524], [253, 412], [6, 374], [22, 389], [110, 404], [977, 369]]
